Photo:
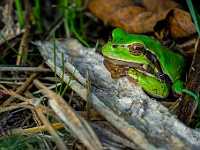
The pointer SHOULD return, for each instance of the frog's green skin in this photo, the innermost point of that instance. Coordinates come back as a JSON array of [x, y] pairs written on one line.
[[148, 65]]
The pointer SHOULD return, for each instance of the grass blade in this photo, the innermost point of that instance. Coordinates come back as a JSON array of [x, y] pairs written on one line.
[[195, 15]]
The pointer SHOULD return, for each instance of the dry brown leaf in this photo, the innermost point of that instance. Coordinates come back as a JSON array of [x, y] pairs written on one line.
[[135, 19], [103, 9], [180, 23], [129, 18], [159, 5]]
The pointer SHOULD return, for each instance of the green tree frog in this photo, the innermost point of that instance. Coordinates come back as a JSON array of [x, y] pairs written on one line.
[[156, 68]]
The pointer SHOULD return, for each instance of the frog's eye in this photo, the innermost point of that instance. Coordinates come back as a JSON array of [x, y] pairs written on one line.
[[136, 49]]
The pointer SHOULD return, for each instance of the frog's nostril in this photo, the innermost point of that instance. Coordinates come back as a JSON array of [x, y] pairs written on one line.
[[114, 46]]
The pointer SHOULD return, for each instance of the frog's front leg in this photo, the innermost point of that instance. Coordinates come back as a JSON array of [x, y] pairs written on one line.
[[177, 88], [150, 84]]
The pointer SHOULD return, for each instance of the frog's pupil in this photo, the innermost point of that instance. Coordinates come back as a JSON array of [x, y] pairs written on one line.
[[137, 48]]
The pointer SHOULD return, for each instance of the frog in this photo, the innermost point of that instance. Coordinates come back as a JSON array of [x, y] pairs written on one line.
[[157, 69]]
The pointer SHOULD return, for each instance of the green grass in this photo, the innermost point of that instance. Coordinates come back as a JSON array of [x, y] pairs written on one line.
[[73, 14], [198, 103], [195, 15], [61, 92], [63, 71], [29, 141], [18, 5], [54, 51], [68, 83], [37, 14], [12, 48]]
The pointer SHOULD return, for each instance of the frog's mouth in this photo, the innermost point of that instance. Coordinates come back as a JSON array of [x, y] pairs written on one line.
[[119, 68]]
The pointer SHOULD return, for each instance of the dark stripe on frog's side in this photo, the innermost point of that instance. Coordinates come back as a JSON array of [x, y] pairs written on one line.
[[163, 77]]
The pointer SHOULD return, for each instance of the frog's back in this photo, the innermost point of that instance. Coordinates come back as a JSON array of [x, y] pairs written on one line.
[[171, 62]]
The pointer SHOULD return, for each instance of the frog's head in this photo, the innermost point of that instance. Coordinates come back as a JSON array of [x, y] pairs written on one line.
[[128, 50], [128, 47]]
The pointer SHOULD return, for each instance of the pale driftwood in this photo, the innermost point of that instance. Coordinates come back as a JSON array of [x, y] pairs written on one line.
[[141, 119]]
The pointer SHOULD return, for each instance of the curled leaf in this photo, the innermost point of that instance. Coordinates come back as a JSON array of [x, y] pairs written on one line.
[[126, 14], [180, 23]]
